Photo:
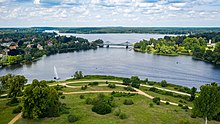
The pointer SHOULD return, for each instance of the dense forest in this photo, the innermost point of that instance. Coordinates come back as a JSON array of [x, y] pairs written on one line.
[[94, 30], [26, 47], [196, 45]]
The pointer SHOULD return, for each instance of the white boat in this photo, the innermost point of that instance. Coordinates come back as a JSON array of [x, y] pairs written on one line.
[[56, 74]]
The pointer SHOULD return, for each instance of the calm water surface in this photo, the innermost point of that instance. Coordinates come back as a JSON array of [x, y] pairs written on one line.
[[182, 70]]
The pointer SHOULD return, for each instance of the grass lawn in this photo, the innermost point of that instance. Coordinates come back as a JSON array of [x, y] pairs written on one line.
[[93, 88], [86, 83], [138, 113], [167, 97], [6, 112]]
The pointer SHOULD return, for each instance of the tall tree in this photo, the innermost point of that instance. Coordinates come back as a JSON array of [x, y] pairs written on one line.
[[208, 103], [16, 85], [40, 100], [193, 93]]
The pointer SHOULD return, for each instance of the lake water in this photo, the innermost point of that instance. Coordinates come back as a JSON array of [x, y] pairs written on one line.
[[182, 70]]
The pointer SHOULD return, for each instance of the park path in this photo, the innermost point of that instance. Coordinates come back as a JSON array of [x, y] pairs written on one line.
[[140, 92], [17, 117], [173, 91]]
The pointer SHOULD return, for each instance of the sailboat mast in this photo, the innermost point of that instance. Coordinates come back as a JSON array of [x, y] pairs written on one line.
[[55, 72]]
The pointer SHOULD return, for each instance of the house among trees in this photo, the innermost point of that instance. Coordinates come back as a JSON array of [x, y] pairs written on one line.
[[210, 44], [50, 43], [40, 47], [30, 45], [13, 46]]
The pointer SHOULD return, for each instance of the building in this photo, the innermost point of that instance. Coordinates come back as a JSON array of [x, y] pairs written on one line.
[[210, 44], [30, 45], [40, 47], [13, 46], [50, 43]]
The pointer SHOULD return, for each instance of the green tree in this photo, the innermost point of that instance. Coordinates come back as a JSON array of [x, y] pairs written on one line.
[[193, 93], [78, 75], [208, 103], [16, 85], [163, 83], [40, 100], [126, 81], [135, 81]]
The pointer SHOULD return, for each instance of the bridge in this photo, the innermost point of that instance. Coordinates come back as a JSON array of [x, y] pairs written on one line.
[[107, 44]]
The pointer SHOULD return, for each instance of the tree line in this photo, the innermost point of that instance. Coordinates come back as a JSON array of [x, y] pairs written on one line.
[[194, 45]]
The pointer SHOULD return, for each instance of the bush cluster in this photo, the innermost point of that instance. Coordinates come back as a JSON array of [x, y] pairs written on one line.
[[62, 97], [111, 85], [84, 87], [102, 108], [118, 113], [58, 87], [156, 100], [128, 102], [93, 83], [89, 101], [122, 116], [81, 96], [72, 118]]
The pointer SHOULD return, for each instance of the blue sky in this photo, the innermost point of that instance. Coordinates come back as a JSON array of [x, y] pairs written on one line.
[[91, 13]]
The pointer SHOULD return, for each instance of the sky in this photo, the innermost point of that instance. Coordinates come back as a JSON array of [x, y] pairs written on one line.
[[102, 13]]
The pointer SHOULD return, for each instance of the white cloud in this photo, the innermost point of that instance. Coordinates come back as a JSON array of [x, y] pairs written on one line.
[[37, 2], [109, 12]]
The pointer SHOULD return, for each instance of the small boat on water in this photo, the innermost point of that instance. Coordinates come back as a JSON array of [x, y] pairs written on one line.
[[56, 74]]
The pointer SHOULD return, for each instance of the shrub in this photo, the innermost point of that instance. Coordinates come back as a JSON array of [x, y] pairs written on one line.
[[117, 112], [62, 97], [151, 105], [156, 100], [128, 102], [153, 89], [163, 83], [60, 93], [81, 96], [135, 84], [58, 87], [151, 83], [167, 103], [111, 85], [185, 107], [193, 115], [122, 116], [180, 105], [17, 110], [126, 81], [63, 109], [72, 118], [102, 108], [84, 87], [89, 101], [106, 82], [94, 83], [128, 88], [181, 101]]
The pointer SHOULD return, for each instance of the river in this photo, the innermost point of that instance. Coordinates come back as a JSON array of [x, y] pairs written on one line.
[[118, 61]]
